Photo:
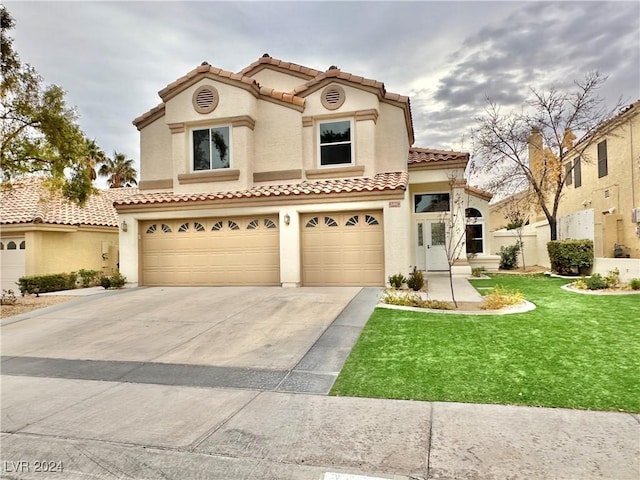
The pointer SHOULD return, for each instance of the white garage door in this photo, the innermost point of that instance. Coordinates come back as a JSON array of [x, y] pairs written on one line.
[[12, 258], [211, 251], [343, 248]]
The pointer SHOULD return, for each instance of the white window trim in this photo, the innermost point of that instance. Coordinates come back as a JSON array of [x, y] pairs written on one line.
[[479, 221], [209, 127], [319, 145]]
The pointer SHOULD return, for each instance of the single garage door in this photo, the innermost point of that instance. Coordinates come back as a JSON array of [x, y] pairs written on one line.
[[211, 251], [12, 259], [342, 248]]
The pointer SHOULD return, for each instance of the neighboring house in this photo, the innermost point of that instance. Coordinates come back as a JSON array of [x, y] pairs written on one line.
[[601, 198], [285, 175], [42, 233]]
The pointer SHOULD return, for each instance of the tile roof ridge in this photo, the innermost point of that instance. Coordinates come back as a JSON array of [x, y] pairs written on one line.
[[435, 150], [268, 60]]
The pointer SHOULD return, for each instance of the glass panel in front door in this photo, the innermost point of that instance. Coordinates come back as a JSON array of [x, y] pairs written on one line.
[[437, 234]]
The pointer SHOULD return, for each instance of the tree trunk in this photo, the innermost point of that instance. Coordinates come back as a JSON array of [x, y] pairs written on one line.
[[453, 295], [553, 228]]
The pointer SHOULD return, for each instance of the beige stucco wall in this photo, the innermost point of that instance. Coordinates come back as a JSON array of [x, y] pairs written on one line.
[[277, 138], [392, 142], [618, 191], [57, 251], [156, 160]]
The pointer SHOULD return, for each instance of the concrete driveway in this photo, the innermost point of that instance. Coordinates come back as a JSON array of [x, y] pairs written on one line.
[[231, 383]]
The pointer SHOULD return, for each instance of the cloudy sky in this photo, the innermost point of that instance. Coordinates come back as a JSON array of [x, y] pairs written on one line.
[[449, 57]]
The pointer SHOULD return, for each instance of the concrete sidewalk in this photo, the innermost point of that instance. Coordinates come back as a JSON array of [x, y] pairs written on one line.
[[438, 288], [88, 400]]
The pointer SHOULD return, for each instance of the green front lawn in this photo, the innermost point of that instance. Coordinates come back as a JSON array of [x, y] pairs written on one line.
[[574, 351]]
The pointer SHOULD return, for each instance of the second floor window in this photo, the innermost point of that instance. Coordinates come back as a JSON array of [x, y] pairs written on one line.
[[603, 167], [211, 148], [577, 172], [335, 143]]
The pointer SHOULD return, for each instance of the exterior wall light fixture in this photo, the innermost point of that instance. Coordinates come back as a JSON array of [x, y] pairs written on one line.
[[287, 219], [124, 226]]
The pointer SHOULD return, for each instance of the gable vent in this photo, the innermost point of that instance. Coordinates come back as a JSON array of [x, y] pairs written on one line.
[[205, 99], [333, 97]]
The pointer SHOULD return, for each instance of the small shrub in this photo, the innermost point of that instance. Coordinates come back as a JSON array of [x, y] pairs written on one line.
[[8, 298], [612, 278], [118, 280], [509, 256], [105, 282], [581, 284], [47, 283], [634, 283], [399, 298], [89, 278], [568, 257], [416, 280], [595, 282], [477, 271], [501, 297], [397, 280]]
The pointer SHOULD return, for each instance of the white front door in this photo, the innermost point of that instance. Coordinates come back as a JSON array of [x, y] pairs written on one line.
[[435, 237]]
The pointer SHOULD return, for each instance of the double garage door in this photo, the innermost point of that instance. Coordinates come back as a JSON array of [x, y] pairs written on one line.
[[337, 249]]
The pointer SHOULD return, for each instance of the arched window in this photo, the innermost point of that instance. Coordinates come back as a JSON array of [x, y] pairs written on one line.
[[474, 231]]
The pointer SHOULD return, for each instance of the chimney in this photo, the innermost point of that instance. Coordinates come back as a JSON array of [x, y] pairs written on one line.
[[535, 150]]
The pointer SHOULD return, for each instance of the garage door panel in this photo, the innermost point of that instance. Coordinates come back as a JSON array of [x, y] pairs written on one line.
[[211, 251], [342, 248]]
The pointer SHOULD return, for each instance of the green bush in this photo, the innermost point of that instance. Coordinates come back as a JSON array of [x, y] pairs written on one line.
[[634, 283], [117, 280], [47, 283], [569, 257], [612, 278], [397, 280], [89, 278], [416, 280], [509, 256], [595, 282]]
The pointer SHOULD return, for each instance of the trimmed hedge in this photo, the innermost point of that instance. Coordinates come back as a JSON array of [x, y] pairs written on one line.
[[47, 283], [570, 257]]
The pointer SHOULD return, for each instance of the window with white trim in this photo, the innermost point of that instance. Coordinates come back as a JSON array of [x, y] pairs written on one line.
[[211, 148], [474, 231], [335, 143]]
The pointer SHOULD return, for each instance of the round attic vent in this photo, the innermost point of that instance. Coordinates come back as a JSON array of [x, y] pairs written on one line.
[[205, 99], [333, 97]]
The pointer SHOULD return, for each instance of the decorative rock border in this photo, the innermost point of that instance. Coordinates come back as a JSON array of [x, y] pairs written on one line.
[[571, 289], [522, 307]]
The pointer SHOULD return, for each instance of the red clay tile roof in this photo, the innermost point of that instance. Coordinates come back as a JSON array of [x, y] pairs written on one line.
[[380, 182], [266, 61], [428, 155], [28, 201]]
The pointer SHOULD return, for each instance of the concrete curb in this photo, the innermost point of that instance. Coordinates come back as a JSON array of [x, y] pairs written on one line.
[[522, 307]]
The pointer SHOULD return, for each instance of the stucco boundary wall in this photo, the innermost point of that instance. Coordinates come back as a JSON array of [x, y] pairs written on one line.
[[535, 238], [628, 267]]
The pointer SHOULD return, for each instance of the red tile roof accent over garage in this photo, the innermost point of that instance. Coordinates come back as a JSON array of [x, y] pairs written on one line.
[[428, 155], [378, 183], [28, 201]]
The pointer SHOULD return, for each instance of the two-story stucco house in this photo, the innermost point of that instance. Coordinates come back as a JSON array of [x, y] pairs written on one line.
[[285, 175], [601, 199]]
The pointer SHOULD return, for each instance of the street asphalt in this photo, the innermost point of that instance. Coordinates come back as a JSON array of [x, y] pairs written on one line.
[[232, 383]]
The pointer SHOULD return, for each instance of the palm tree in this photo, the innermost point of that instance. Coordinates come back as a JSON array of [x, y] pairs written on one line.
[[94, 156], [119, 170]]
